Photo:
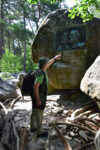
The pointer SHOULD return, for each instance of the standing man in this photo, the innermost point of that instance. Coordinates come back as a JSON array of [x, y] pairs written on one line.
[[39, 95]]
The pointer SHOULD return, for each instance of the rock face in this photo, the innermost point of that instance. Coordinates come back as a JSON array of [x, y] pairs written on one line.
[[7, 90], [90, 83], [20, 79], [7, 76], [74, 40]]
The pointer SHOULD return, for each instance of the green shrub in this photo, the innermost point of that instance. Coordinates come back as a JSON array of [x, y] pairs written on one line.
[[10, 63], [15, 63]]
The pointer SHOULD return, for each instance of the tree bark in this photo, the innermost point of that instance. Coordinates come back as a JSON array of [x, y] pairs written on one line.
[[9, 41], [39, 10], [13, 45], [2, 49], [30, 25], [9, 34], [20, 48], [67, 146], [24, 41], [35, 20]]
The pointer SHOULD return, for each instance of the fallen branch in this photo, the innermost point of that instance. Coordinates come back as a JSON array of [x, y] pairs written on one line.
[[83, 119], [84, 114], [77, 125], [4, 108], [83, 109], [24, 132], [7, 101], [65, 142], [6, 129], [15, 138], [50, 100], [83, 146], [47, 143], [90, 126], [81, 127], [94, 115], [14, 101]]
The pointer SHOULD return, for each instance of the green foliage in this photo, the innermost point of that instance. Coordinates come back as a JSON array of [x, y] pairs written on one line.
[[18, 30], [29, 63], [32, 2], [20, 22], [12, 63], [35, 1], [86, 9]]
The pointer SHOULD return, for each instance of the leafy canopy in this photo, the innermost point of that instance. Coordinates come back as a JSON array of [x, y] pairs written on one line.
[[87, 9], [35, 1]]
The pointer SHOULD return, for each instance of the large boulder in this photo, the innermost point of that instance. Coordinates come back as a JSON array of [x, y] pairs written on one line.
[[6, 76], [90, 83], [74, 40], [7, 90], [13, 82], [11, 79], [20, 79]]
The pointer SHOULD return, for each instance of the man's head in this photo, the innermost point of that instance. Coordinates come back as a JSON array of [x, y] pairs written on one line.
[[74, 36], [42, 62]]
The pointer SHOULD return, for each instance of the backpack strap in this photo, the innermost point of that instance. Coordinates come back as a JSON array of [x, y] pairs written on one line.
[[39, 72]]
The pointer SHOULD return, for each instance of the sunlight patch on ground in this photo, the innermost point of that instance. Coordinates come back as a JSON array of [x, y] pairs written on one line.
[[53, 97], [23, 105]]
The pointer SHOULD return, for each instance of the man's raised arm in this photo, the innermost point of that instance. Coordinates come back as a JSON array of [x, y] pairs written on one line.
[[51, 61]]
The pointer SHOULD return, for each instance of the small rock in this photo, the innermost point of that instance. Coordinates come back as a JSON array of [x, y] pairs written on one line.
[[60, 110]]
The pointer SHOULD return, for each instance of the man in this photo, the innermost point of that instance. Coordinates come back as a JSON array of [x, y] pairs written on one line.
[[39, 95], [74, 39], [63, 44]]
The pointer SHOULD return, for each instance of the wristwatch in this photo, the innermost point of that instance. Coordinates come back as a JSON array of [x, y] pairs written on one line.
[[54, 58]]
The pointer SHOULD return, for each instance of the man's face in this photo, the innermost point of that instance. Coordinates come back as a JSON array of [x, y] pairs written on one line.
[[74, 37]]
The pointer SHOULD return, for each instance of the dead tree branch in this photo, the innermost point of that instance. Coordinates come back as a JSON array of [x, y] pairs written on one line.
[[65, 142]]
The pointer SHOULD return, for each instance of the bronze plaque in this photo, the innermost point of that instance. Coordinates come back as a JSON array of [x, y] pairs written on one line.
[[71, 38]]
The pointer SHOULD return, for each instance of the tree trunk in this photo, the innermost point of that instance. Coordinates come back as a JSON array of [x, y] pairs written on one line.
[[9, 34], [24, 41], [30, 25], [39, 11], [2, 50], [35, 20], [9, 41], [20, 52], [13, 46]]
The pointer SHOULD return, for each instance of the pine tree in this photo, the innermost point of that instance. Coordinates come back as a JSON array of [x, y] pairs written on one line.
[[2, 21]]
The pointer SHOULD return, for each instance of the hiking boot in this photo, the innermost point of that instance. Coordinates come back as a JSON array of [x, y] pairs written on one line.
[[43, 134]]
